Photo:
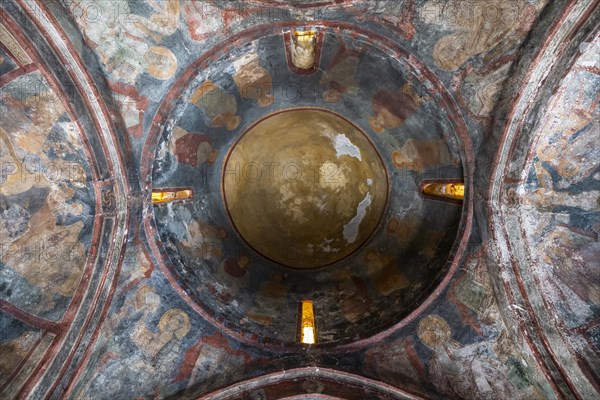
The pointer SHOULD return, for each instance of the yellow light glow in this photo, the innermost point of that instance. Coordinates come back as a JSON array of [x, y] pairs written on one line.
[[304, 36], [160, 197], [307, 323], [308, 335], [448, 190]]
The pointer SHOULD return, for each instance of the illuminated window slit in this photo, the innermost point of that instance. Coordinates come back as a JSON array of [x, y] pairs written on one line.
[[161, 196], [452, 190], [304, 36], [303, 50], [308, 332]]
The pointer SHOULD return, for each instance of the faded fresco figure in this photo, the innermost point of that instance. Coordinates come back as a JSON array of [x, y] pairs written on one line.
[[210, 362], [385, 272], [340, 77], [418, 155], [40, 158], [266, 301], [461, 371], [194, 149], [203, 19], [479, 27], [219, 106], [173, 325], [164, 21], [392, 109], [354, 298], [128, 44], [253, 81]]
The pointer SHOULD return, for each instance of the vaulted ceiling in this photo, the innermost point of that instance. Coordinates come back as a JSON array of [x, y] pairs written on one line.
[[299, 175]]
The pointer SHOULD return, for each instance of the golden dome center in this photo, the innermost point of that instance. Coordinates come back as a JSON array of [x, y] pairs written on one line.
[[304, 187]]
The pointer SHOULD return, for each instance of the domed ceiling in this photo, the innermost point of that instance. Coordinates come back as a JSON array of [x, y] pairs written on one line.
[[307, 186], [292, 200]]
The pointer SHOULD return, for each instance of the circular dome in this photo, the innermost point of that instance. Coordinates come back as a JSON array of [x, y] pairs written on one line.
[[255, 140], [317, 180]]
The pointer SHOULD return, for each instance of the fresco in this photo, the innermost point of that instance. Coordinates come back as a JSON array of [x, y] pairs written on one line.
[[209, 361], [253, 81], [219, 106], [204, 19], [22, 349], [560, 203], [483, 90], [133, 54], [47, 204], [14, 48], [194, 149], [6, 63], [453, 368], [340, 75], [550, 213], [193, 309], [465, 356], [354, 299], [205, 148], [479, 28], [150, 341], [129, 52], [392, 109], [132, 106], [15, 349], [416, 154]]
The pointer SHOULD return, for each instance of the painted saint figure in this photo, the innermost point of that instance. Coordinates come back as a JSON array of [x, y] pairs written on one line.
[[219, 106]]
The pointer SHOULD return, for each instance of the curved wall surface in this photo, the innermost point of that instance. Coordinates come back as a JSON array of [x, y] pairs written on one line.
[[137, 260]]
